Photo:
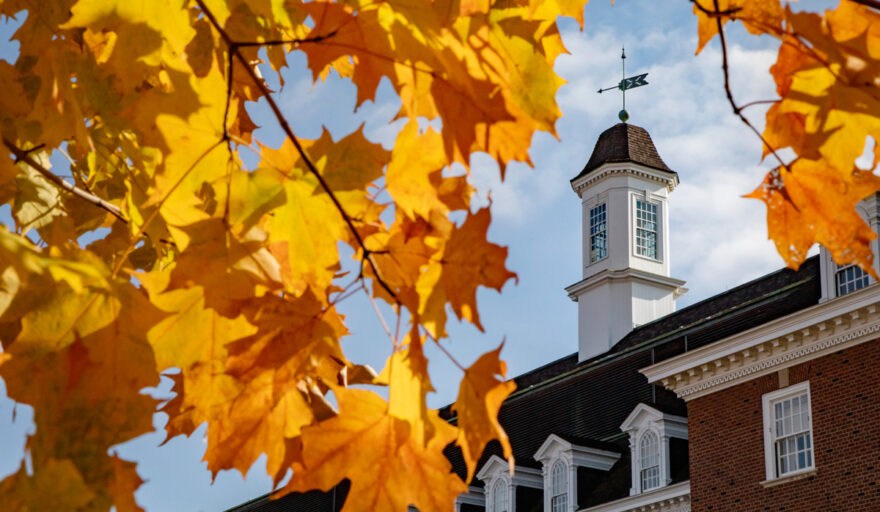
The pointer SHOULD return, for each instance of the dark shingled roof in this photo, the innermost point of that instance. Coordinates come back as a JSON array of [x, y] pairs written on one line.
[[587, 402], [624, 143]]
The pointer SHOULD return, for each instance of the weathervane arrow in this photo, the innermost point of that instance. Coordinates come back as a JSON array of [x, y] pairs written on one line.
[[626, 83]]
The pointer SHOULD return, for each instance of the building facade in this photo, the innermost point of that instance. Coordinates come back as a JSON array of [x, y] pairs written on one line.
[[763, 397]]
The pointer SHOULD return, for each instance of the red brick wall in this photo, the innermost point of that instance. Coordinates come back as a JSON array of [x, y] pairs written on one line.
[[727, 445]]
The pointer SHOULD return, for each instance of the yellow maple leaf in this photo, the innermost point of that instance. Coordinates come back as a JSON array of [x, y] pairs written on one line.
[[479, 400], [390, 464], [812, 203]]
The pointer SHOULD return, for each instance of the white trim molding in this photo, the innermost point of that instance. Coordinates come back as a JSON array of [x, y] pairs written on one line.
[[672, 498], [475, 496], [814, 332], [668, 178], [676, 286]]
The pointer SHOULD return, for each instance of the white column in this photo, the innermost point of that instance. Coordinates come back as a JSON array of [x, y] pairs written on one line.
[[665, 462], [572, 487], [634, 464], [511, 497], [547, 484]]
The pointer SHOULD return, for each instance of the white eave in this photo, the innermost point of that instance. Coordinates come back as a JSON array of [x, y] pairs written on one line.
[[668, 178], [576, 289], [801, 336]]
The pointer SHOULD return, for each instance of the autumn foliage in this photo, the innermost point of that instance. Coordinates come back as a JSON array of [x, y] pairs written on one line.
[[226, 277]]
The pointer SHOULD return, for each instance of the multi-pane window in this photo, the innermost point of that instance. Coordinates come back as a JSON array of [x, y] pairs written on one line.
[[646, 229], [559, 488], [850, 278], [598, 233], [499, 496], [649, 459], [789, 429]]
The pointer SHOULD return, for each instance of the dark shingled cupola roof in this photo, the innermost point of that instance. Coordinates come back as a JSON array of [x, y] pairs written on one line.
[[624, 143]]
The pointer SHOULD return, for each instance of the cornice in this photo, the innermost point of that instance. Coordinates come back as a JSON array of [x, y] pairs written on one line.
[[814, 332], [496, 466], [582, 456], [674, 285], [672, 498], [670, 179]]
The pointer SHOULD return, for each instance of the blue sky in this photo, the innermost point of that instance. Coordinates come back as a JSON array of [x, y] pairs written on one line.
[[718, 239]]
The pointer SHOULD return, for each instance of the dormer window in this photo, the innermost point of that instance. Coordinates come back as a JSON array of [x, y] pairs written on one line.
[[561, 459], [646, 229], [654, 437], [502, 489], [598, 233], [559, 488], [649, 455], [850, 278]]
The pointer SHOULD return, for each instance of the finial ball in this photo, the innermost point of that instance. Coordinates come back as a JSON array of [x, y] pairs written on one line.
[[623, 115]]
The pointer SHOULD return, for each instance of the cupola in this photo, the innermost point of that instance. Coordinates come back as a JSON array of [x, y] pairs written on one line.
[[624, 191]]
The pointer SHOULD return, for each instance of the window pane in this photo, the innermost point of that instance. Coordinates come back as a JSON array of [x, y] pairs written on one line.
[[793, 439], [598, 233], [851, 278], [646, 229]]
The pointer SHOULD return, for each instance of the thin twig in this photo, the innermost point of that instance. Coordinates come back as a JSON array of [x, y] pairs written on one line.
[[233, 47], [717, 13], [276, 42], [737, 109], [443, 349], [397, 327], [379, 314], [24, 156], [759, 102]]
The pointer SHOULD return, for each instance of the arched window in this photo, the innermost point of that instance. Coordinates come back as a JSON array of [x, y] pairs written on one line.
[[559, 487], [499, 496], [649, 457]]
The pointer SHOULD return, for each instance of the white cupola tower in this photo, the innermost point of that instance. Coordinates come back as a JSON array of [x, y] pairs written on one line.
[[624, 191]]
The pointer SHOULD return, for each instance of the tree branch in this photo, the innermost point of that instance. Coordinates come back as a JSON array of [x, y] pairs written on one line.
[[24, 156], [736, 108], [233, 47], [717, 13]]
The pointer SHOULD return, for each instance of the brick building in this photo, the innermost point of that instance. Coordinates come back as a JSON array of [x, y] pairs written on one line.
[[764, 397]]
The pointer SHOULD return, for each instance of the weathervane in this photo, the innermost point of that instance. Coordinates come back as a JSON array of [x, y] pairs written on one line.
[[626, 83]]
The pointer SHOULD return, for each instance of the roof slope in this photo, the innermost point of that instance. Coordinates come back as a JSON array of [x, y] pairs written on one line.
[[624, 143]]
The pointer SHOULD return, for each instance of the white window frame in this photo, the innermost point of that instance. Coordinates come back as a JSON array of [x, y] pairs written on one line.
[[658, 459], [768, 400], [559, 489], [591, 234], [658, 227], [504, 486]]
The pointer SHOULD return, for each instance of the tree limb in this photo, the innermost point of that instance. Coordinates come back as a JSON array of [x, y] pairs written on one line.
[[24, 156]]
